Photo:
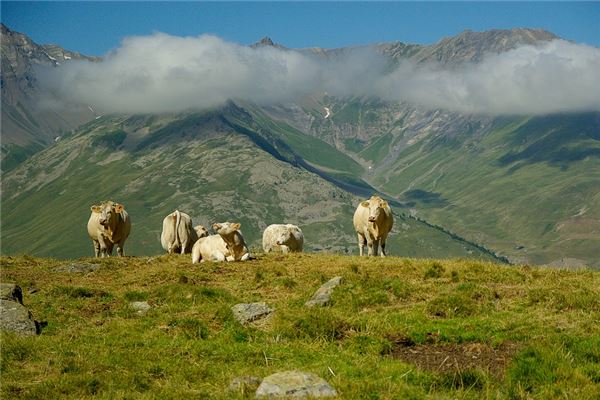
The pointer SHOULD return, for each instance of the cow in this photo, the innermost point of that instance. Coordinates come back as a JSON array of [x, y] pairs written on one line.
[[178, 235], [201, 231], [109, 224], [373, 221], [227, 245], [284, 238]]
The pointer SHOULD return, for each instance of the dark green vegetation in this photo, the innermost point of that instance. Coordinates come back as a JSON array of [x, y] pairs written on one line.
[[507, 332], [225, 164]]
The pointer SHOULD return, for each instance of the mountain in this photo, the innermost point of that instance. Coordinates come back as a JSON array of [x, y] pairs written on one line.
[[27, 125], [223, 164], [524, 187]]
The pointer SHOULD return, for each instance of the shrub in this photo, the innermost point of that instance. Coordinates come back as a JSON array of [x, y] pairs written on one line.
[[435, 270]]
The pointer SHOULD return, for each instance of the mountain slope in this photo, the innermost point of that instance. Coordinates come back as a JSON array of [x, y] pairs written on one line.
[[213, 165], [27, 124]]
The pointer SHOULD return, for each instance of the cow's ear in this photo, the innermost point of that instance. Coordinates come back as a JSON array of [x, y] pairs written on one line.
[[365, 203], [96, 209], [119, 208], [384, 204], [236, 226], [216, 226]]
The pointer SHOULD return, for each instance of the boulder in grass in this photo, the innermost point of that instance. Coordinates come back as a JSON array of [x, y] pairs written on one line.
[[77, 268], [250, 312], [15, 317], [295, 384], [11, 292], [244, 384], [322, 296], [141, 307]]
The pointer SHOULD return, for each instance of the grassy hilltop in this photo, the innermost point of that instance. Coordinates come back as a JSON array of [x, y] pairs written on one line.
[[396, 328]]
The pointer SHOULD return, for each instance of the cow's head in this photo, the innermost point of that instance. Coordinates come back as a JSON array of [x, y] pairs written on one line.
[[108, 212], [375, 206], [226, 228], [201, 231]]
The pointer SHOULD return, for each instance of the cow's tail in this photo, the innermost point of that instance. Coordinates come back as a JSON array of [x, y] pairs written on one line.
[[177, 222]]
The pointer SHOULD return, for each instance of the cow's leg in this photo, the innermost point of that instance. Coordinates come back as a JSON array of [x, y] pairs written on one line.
[[245, 257], [109, 248], [102, 245], [96, 248], [184, 245], [120, 248], [218, 256], [383, 253], [369, 247], [361, 243], [375, 247], [284, 249]]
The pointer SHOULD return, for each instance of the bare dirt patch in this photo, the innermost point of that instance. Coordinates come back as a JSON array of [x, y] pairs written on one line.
[[454, 357]]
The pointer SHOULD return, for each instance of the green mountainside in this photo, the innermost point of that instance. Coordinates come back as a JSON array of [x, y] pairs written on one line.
[[217, 165], [527, 187]]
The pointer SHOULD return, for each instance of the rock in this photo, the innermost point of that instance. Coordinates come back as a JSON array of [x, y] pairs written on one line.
[[249, 312], [142, 307], [295, 384], [11, 292], [15, 317], [322, 296], [244, 384], [77, 267]]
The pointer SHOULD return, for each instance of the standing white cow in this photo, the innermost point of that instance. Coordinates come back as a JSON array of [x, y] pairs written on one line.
[[109, 224], [227, 245], [178, 235], [373, 221], [285, 238]]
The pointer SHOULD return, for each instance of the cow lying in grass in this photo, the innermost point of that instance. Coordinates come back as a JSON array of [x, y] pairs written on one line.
[[227, 245], [284, 238]]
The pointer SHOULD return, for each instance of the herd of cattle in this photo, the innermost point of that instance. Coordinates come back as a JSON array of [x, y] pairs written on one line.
[[110, 225]]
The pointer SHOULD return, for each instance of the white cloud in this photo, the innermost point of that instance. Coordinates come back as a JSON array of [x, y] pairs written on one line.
[[555, 77], [160, 73]]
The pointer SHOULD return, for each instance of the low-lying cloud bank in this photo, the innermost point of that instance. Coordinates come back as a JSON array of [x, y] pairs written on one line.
[[163, 73]]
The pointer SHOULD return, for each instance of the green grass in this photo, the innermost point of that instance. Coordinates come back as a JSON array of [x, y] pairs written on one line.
[[189, 345]]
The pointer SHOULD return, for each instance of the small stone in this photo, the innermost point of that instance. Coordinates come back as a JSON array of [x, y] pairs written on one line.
[[77, 268], [244, 384], [142, 307], [322, 296], [295, 384], [11, 292], [250, 312], [15, 317]]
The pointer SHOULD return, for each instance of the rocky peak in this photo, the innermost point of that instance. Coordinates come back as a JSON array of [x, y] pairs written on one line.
[[266, 42], [472, 46]]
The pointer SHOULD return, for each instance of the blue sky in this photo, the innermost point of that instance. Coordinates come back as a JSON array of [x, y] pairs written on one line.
[[94, 28]]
